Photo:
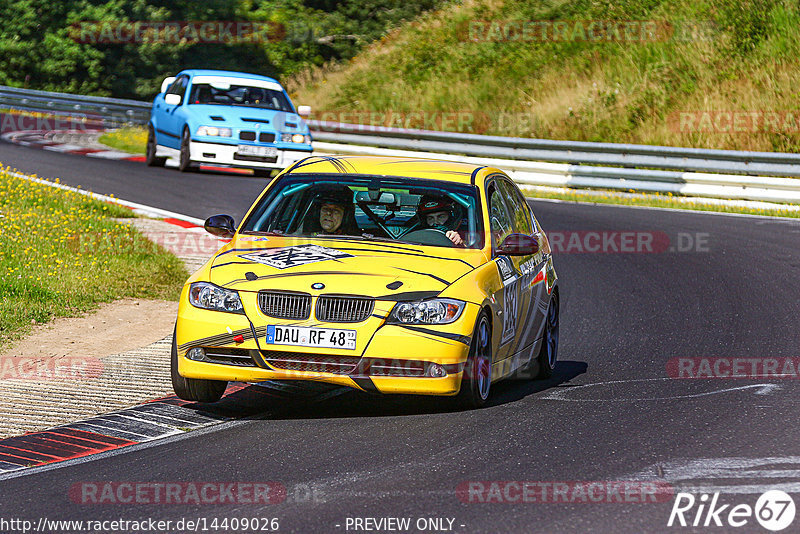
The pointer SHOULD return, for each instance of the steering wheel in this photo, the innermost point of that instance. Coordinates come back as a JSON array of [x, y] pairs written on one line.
[[428, 236]]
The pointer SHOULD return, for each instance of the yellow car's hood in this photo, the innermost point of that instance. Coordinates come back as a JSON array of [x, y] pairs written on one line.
[[344, 266]]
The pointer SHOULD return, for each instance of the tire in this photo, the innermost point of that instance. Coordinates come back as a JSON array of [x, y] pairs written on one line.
[[185, 163], [548, 353], [476, 381], [150, 154], [194, 389]]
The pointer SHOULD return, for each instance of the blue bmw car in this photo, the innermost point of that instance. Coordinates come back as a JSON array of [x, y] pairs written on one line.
[[226, 119]]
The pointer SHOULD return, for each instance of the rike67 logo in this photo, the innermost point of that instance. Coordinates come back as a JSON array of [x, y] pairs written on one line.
[[774, 510]]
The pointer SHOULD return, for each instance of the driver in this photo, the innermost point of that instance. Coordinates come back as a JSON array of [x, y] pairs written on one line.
[[334, 213], [439, 213]]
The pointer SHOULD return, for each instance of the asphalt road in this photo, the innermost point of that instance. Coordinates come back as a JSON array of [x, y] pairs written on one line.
[[198, 194], [624, 317]]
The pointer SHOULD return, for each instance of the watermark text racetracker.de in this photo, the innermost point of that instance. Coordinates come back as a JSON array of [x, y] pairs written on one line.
[[626, 241], [37, 122], [590, 31], [91, 493], [391, 120], [735, 121], [704, 367], [175, 32], [178, 242], [46, 368], [563, 492], [9, 525]]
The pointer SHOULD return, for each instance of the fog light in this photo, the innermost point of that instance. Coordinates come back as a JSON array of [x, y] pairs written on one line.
[[197, 354], [436, 371]]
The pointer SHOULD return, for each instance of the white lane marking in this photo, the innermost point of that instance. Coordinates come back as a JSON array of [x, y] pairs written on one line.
[[712, 475], [141, 209], [761, 389], [167, 428]]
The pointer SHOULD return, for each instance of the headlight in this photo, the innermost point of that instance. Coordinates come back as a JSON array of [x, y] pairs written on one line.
[[210, 297], [213, 131], [434, 311], [295, 138]]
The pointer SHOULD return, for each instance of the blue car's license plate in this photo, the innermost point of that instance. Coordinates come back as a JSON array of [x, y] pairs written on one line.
[[259, 151]]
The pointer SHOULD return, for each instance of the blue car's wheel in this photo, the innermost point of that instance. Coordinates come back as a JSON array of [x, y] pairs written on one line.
[[150, 154], [185, 161]]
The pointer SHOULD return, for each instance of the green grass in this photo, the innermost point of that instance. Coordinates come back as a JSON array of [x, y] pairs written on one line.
[[714, 55], [130, 139], [654, 201], [63, 253]]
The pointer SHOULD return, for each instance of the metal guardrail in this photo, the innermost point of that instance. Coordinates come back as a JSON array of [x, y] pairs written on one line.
[[110, 111], [574, 152], [712, 173], [538, 173]]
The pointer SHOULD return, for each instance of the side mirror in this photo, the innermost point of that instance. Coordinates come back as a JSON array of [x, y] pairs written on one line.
[[221, 226], [166, 83], [304, 111], [518, 245], [172, 99]]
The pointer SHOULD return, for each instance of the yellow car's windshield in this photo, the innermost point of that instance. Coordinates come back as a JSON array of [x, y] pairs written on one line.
[[383, 208]]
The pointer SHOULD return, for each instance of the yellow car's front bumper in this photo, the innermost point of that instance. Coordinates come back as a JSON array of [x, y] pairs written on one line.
[[391, 356]]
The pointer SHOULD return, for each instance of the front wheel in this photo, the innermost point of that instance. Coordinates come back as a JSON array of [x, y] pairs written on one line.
[[548, 354], [185, 162], [193, 389], [477, 378], [150, 154]]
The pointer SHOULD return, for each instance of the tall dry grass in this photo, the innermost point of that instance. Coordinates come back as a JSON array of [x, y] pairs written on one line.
[[723, 57]]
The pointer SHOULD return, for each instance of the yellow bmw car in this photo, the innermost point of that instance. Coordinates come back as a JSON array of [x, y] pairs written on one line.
[[387, 275]]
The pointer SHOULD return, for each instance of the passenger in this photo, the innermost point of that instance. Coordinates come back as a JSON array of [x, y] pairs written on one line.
[[333, 213]]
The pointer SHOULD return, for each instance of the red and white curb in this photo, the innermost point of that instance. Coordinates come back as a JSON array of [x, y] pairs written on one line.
[[151, 421], [43, 139]]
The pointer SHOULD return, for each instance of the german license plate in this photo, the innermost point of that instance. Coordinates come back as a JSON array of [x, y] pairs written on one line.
[[260, 151], [300, 336]]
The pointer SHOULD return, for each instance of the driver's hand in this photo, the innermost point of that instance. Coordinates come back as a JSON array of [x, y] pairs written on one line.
[[453, 236]]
